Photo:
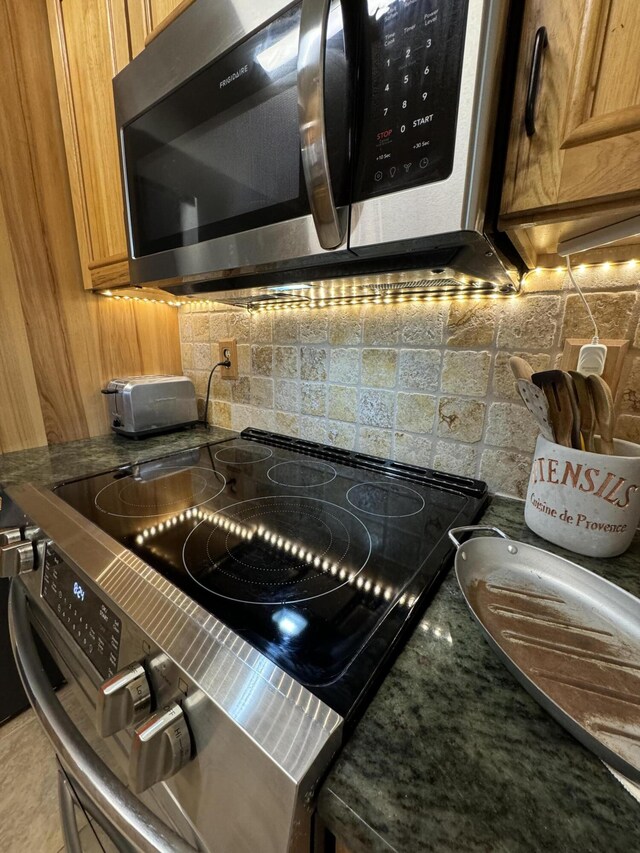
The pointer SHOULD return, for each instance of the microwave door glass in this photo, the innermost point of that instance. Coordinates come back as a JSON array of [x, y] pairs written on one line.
[[221, 154]]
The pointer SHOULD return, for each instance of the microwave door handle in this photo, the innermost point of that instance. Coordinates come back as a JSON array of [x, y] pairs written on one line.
[[313, 132], [128, 815]]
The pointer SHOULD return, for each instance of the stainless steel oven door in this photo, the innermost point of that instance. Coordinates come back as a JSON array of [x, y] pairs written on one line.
[[130, 822], [235, 137]]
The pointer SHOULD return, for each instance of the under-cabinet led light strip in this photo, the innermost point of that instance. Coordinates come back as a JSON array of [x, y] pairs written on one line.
[[318, 300], [602, 265], [327, 301]]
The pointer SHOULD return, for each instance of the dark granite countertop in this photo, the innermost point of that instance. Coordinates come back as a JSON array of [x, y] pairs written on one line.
[[453, 755], [54, 463]]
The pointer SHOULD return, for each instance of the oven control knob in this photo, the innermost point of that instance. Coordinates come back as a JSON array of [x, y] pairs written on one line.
[[161, 746], [15, 559], [123, 701], [10, 535], [32, 533]]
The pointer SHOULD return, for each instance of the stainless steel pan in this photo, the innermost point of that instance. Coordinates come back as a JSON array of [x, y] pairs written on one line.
[[570, 637]]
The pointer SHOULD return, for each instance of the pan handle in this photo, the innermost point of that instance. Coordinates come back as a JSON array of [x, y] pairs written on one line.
[[456, 532]]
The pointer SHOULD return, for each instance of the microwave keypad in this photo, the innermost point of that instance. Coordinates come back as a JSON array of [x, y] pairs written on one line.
[[93, 625], [411, 94]]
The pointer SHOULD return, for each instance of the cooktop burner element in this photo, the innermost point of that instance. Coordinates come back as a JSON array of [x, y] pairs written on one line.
[[319, 558], [302, 474], [386, 500], [277, 550], [169, 491], [243, 454]]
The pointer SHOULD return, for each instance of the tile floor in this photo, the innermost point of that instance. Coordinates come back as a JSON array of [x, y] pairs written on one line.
[[29, 821]]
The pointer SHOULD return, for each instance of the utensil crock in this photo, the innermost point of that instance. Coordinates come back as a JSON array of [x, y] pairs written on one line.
[[586, 502]]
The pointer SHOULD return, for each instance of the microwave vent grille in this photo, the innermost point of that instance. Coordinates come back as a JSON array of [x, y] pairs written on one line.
[[246, 300], [417, 284]]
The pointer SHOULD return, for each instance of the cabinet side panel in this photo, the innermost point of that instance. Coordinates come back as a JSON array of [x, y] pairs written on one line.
[[21, 422]]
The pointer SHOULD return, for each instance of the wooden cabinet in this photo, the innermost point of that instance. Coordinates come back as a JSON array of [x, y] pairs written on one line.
[[582, 164], [58, 345], [92, 40], [90, 46], [147, 18]]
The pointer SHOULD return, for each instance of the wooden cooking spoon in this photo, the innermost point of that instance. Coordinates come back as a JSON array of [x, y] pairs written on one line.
[[563, 407], [603, 404], [587, 411]]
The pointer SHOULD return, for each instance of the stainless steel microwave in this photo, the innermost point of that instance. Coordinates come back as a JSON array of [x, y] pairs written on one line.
[[276, 142]]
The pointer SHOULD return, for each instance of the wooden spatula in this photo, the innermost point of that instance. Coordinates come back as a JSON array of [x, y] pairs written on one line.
[[587, 411], [563, 407], [603, 405], [521, 369]]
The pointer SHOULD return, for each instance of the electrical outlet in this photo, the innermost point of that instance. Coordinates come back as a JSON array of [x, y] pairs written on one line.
[[616, 352], [228, 349]]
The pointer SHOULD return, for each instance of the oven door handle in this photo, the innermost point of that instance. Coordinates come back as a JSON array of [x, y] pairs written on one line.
[[331, 227], [71, 797], [72, 842], [137, 824]]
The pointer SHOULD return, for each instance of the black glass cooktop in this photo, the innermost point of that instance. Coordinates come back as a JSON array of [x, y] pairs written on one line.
[[318, 557]]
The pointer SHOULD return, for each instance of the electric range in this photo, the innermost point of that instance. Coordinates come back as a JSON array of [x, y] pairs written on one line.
[[249, 595]]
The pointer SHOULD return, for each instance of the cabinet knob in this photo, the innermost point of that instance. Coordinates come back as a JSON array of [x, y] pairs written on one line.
[[16, 558], [161, 746], [123, 700]]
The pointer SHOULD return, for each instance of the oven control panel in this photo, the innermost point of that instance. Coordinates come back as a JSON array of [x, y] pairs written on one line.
[[411, 90], [94, 627]]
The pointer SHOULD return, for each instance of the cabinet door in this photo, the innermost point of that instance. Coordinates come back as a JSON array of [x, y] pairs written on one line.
[[90, 45], [584, 156], [149, 17]]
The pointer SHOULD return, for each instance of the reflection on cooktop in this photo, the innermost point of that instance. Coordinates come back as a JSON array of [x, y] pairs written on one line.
[[302, 474], [277, 549], [386, 499], [168, 490], [243, 454]]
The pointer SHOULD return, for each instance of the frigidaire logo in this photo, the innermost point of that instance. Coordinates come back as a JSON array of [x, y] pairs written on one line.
[[234, 76], [613, 488]]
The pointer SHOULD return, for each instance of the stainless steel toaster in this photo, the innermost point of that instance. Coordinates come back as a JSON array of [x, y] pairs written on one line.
[[144, 405]]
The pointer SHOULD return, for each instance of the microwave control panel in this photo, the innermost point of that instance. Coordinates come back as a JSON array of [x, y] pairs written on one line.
[[93, 625], [411, 90]]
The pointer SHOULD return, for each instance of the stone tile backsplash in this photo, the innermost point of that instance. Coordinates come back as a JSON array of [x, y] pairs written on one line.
[[425, 383]]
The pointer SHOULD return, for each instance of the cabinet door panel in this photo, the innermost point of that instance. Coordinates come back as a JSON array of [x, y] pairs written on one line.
[[604, 100], [90, 46], [606, 170], [161, 9], [92, 65], [145, 16], [585, 154], [618, 60], [534, 163]]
